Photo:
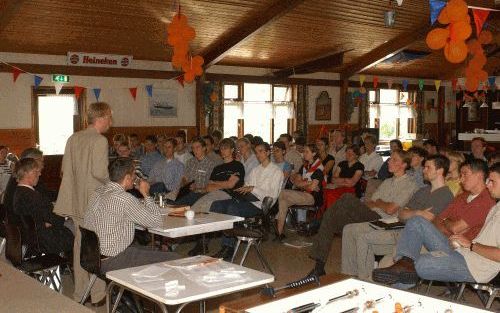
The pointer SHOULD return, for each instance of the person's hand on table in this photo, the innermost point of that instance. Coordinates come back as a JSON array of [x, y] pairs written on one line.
[[245, 189]]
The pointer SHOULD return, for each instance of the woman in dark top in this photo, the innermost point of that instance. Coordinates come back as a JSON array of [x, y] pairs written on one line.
[[307, 184], [327, 159], [346, 178], [53, 236]]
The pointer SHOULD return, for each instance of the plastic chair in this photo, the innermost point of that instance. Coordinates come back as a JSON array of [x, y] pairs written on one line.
[[90, 259], [492, 289], [252, 232]]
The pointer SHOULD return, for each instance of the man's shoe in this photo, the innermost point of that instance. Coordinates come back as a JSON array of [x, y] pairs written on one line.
[[279, 237], [403, 271]]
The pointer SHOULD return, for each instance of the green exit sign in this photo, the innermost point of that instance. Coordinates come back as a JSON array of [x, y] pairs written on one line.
[[60, 78]]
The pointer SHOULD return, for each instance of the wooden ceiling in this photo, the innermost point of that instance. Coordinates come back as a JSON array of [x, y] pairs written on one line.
[[278, 34]]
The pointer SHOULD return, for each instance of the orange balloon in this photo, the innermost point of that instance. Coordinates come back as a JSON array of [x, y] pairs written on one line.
[[213, 96], [485, 37], [460, 31], [455, 52], [198, 60], [471, 84], [436, 38], [482, 75], [474, 46], [443, 17], [179, 60], [457, 10], [478, 61], [181, 49], [189, 77]]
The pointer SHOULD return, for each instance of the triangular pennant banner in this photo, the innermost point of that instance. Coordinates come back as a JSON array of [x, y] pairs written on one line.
[[437, 83], [480, 17], [491, 81], [454, 82], [149, 90], [133, 92], [375, 81], [58, 86], [421, 84], [389, 83], [361, 79], [15, 73], [37, 80], [78, 91], [97, 93], [405, 84], [180, 79], [436, 7]]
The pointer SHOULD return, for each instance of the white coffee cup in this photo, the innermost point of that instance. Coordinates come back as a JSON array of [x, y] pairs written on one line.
[[189, 214]]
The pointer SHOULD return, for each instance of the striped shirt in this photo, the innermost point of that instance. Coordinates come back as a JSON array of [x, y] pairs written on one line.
[[199, 171], [167, 171], [112, 214]]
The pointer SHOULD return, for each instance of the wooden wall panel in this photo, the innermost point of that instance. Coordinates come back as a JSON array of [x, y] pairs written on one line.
[[17, 139], [313, 131]]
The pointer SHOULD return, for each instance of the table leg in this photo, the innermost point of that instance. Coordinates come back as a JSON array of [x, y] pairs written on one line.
[[202, 306], [152, 241], [203, 243]]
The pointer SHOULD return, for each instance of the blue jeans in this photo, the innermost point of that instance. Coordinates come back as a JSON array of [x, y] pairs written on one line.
[[235, 208], [442, 266], [420, 232]]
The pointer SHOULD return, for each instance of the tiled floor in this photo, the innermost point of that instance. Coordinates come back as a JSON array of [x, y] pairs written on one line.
[[288, 263]]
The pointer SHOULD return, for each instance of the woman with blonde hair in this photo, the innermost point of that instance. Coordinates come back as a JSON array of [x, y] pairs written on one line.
[[453, 177]]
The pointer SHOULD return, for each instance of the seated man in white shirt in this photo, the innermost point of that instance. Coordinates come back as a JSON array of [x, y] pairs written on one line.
[[265, 180], [113, 213], [370, 159]]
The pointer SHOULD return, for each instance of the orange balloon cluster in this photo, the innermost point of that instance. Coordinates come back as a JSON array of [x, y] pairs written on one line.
[[452, 38], [474, 72], [179, 36]]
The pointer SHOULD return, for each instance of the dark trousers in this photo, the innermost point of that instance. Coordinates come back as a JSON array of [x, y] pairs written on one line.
[[136, 256], [347, 210], [235, 208], [190, 198]]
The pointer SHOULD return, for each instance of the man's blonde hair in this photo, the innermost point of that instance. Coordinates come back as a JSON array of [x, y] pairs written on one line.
[[97, 110]]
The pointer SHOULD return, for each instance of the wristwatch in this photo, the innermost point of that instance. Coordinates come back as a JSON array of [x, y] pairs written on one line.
[[471, 245]]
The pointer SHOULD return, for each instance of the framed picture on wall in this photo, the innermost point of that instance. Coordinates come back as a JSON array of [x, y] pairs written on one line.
[[163, 103], [473, 114], [323, 107]]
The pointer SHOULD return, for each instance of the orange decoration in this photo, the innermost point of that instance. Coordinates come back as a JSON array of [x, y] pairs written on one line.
[[179, 60], [471, 84], [455, 52], [485, 37], [436, 38], [478, 61], [213, 96], [474, 46], [189, 77], [482, 75], [460, 30], [443, 17], [457, 10]]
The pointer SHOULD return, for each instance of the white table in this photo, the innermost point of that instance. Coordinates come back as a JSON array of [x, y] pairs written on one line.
[[175, 227], [194, 291]]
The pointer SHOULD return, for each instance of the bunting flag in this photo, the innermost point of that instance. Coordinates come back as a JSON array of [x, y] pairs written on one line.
[[37, 79], [180, 79], [361, 80], [149, 90], [454, 84], [421, 84], [405, 84], [375, 81], [436, 7], [133, 92], [480, 17], [15, 73], [492, 82], [437, 83], [97, 93], [389, 83], [78, 91], [58, 86]]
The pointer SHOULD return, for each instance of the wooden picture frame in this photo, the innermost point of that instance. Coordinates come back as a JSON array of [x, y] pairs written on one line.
[[323, 110]]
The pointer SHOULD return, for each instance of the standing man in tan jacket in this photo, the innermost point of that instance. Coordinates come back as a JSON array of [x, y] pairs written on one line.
[[84, 168]]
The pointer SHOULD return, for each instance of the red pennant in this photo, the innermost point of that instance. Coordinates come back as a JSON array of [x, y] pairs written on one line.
[[180, 79], [78, 91], [454, 84], [15, 73], [375, 82], [480, 17], [133, 92]]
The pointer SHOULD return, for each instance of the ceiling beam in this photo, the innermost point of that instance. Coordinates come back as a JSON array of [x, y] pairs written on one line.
[[330, 61], [251, 25], [386, 50], [9, 11]]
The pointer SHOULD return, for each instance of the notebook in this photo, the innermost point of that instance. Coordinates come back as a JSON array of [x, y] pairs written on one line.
[[249, 197]]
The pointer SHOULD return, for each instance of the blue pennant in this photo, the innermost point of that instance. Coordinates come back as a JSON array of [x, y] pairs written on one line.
[[37, 80], [491, 81], [149, 89], [436, 7], [97, 93], [405, 84]]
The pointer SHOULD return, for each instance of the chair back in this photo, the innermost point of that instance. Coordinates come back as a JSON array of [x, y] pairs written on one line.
[[29, 235], [13, 249], [90, 253]]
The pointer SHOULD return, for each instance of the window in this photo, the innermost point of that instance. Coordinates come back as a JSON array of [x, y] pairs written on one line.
[[392, 114], [265, 111], [232, 91]]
